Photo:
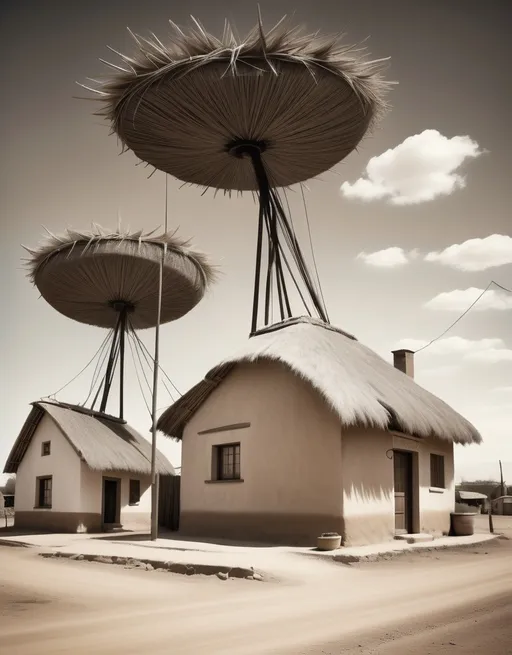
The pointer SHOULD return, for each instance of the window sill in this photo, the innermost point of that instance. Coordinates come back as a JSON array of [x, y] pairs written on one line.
[[436, 490], [223, 481], [133, 504], [45, 507]]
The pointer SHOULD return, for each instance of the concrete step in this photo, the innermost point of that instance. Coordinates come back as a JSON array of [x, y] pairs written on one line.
[[414, 538]]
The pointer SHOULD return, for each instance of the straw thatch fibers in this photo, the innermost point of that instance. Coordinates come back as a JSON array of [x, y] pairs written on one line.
[[309, 99], [362, 388], [102, 442], [82, 275]]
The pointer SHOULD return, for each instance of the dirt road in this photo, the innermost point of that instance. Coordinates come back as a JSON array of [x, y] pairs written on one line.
[[431, 603]]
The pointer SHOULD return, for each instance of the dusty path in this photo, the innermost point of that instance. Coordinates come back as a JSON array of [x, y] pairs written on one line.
[[469, 629], [56, 607]]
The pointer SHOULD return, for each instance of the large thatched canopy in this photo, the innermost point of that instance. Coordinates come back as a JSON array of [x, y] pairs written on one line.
[[103, 442], [89, 276], [361, 387], [185, 107]]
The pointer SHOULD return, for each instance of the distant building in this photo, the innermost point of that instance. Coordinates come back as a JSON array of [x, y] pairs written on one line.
[[492, 492]]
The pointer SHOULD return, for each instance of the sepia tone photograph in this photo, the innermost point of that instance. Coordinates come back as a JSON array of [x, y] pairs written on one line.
[[256, 361]]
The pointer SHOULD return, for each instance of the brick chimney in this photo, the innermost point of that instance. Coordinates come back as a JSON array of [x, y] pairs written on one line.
[[403, 360]]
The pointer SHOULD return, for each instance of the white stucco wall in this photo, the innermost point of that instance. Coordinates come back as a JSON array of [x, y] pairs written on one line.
[[290, 455], [296, 461], [368, 485], [91, 491], [436, 504], [62, 463]]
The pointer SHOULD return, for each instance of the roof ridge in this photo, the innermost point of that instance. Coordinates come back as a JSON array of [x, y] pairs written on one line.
[[82, 410], [296, 320]]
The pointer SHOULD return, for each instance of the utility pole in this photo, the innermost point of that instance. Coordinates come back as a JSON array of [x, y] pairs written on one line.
[[154, 473]]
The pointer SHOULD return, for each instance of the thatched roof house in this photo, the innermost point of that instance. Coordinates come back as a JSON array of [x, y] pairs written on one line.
[[325, 436], [362, 388], [81, 470], [103, 443]]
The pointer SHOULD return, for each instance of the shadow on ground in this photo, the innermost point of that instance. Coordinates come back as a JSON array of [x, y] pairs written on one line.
[[176, 536]]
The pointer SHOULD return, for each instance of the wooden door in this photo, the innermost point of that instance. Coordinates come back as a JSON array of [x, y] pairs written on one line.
[[110, 501], [403, 491]]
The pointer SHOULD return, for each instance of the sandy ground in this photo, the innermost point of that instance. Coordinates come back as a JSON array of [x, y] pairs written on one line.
[[421, 603]]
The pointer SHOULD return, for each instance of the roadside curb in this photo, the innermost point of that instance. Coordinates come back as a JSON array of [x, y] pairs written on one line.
[[222, 572], [391, 554]]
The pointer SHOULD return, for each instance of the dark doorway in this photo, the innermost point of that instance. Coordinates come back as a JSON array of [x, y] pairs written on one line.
[[110, 501], [169, 501], [403, 492]]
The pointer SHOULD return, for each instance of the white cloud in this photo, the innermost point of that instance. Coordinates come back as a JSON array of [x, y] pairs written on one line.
[[490, 356], [439, 371], [488, 351], [419, 169], [388, 258], [460, 299], [503, 390], [476, 254]]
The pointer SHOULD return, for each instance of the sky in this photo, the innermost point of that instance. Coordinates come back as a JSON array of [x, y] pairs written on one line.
[[407, 231]]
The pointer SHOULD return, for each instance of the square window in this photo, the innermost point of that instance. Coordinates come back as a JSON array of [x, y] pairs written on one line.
[[437, 471], [228, 462]]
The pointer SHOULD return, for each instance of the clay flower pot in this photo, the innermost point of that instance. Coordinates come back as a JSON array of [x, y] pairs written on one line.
[[328, 541]]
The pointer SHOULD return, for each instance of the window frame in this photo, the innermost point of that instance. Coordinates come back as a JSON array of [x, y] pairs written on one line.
[[131, 501], [437, 468], [43, 447], [220, 474], [41, 493]]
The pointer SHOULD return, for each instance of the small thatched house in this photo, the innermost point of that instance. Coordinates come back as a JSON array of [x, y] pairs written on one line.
[[81, 471], [308, 431]]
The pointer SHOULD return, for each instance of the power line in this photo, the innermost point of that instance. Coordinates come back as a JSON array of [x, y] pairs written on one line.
[[143, 347], [501, 287], [138, 352], [313, 251], [149, 360], [97, 370], [491, 283], [137, 374], [53, 395]]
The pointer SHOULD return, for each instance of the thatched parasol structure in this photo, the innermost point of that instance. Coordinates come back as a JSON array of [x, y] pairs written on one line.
[[121, 281], [270, 110], [192, 107], [101, 277]]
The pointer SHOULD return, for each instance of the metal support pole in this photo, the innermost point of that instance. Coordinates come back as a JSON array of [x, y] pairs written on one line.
[[154, 476], [110, 367]]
